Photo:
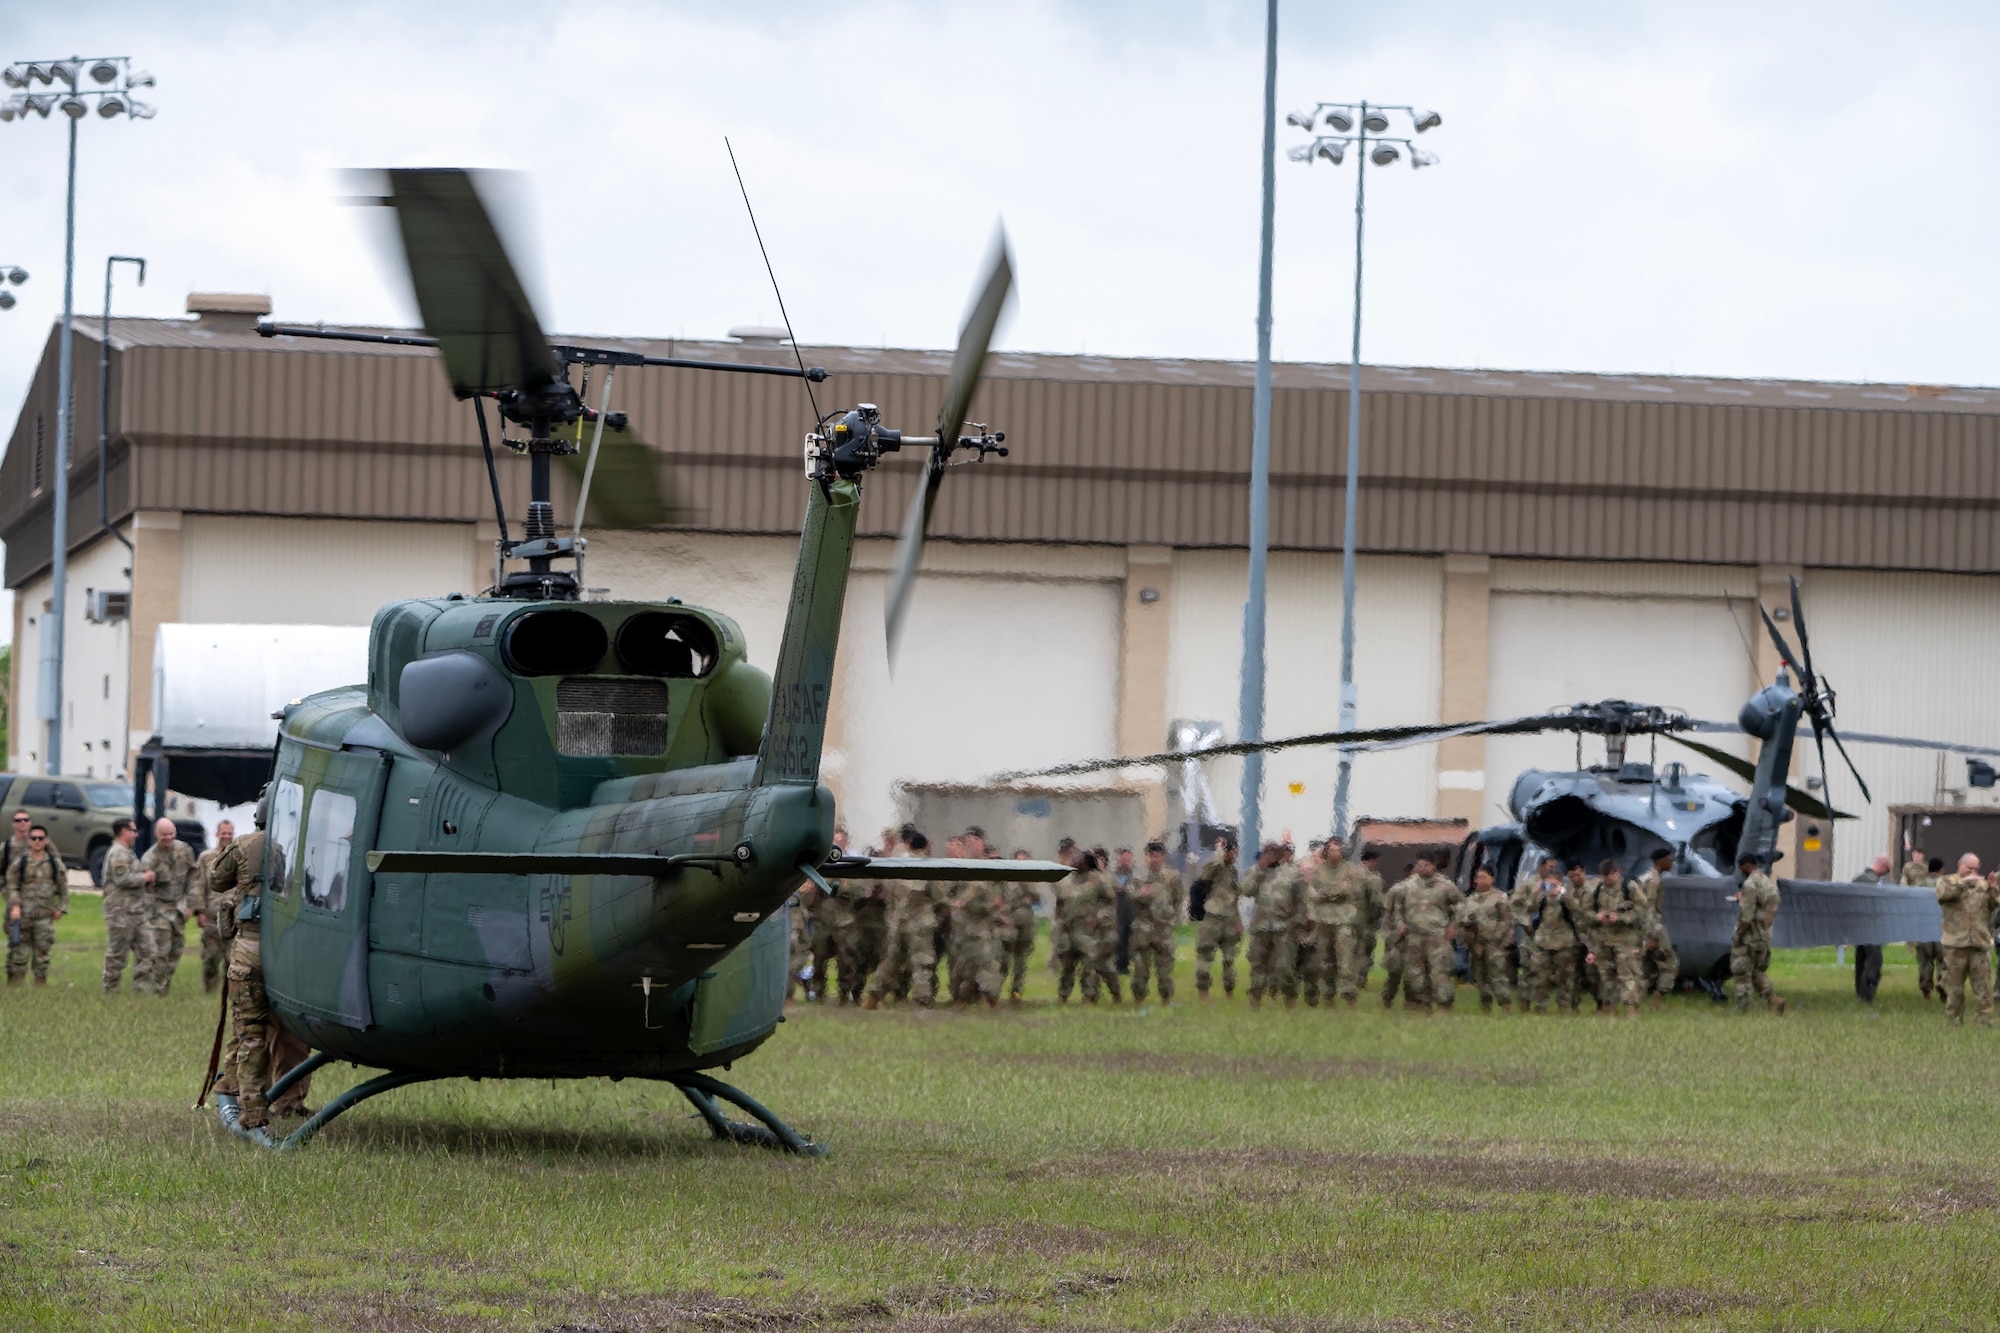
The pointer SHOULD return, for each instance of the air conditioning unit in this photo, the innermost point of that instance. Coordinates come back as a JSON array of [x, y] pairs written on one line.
[[105, 605]]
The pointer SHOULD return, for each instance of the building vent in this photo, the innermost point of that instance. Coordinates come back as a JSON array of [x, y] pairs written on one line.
[[105, 605], [227, 311], [611, 717]]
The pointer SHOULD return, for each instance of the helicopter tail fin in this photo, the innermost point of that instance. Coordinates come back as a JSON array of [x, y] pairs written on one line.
[[802, 689]]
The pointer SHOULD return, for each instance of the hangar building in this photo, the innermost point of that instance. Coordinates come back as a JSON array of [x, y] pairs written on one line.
[[1529, 539]]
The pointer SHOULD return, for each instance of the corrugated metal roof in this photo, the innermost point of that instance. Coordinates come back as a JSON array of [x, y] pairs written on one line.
[[1104, 450]]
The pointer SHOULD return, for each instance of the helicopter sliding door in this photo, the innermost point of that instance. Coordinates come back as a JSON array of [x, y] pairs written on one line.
[[324, 809]]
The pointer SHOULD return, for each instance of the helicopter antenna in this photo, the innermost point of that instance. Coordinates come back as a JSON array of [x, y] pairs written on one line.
[[758, 232]]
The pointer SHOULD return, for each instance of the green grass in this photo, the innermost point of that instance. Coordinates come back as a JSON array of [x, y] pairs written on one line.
[[1191, 1167]]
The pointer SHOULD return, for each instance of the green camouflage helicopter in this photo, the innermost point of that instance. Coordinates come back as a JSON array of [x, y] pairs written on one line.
[[554, 838]]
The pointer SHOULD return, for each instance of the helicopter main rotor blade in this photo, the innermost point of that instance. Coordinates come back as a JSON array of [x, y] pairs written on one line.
[[627, 490], [1808, 805], [466, 286], [1859, 781], [968, 365], [1785, 653], [1805, 643]]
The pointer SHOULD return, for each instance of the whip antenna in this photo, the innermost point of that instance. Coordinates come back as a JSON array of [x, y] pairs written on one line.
[[756, 231]]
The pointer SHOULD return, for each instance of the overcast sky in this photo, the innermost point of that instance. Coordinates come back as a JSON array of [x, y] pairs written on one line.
[[1716, 188]]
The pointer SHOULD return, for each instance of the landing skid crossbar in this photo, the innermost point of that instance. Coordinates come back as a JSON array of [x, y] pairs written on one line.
[[701, 1091]]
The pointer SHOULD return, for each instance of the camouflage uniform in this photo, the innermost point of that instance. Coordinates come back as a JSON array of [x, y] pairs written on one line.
[[1618, 944], [172, 864], [798, 923], [1662, 962], [1277, 894], [1555, 951], [1394, 954], [39, 887], [1020, 898], [1220, 927], [1351, 898], [1087, 909], [871, 933], [1319, 966], [1486, 922], [214, 954], [1930, 954], [1750, 949], [238, 880], [977, 917], [835, 939], [1430, 902], [909, 962], [128, 911], [1159, 898], [1371, 925], [1967, 940]]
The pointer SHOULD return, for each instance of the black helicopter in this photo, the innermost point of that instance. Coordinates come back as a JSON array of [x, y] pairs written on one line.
[[1623, 809]]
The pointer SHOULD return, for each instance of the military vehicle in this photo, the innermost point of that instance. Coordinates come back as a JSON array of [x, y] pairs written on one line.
[[79, 813], [551, 837]]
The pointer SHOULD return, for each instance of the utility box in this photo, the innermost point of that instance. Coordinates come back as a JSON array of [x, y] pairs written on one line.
[[1814, 854], [105, 605]]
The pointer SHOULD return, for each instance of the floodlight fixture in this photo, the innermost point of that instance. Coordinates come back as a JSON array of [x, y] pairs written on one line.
[[1382, 154], [39, 103], [1340, 120], [1300, 119], [6, 300], [1419, 158], [41, 70], [1374, 121], [104, 71], [109, 105], [14, 76], [17, 275], [1300, 152], [1426, 120], [1331, 150], [74, 107], [12, 107], [142, 111], [65, 71], [139, 78]]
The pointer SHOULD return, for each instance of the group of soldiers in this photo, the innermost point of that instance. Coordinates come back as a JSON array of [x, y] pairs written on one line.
[[1961, 959], [148, 900]]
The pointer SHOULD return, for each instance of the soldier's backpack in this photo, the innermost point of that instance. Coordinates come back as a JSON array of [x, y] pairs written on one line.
[[1198, 900]]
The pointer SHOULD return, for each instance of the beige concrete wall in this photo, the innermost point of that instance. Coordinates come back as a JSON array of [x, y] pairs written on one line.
[[1463, 670], [156, 601], [1144, 650], [291, 571]]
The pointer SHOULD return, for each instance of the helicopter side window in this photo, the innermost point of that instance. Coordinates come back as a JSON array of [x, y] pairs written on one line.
[[661, 643], [554, 643], [329, 848], [287, 804]]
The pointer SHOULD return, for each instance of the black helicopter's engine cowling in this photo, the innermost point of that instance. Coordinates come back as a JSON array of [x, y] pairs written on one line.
[[1553, 808]]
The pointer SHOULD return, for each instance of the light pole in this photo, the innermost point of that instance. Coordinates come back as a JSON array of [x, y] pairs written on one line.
[[1250, 703], [112, 97], [15, 274], [104, 399], [1371, 120]]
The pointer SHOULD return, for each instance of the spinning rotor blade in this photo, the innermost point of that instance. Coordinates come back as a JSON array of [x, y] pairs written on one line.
[[1785, 653], [1799, 623], [968, 364], [1805, 804], [627, 490], [467, 289], [1858, 780]]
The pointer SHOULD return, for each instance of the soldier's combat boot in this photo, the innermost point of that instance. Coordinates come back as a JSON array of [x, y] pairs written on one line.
[[225, 1110], [1778, 1005], [1350, 1000], [43, 981], [1256, 1000], [1202, 994], [1486, 1004], [871, 1001], [1291, 1002]]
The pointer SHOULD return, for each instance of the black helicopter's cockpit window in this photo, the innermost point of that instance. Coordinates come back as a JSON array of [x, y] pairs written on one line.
[[554, 643], [329, 848], [287, 806], [662, 643], [611, 715]]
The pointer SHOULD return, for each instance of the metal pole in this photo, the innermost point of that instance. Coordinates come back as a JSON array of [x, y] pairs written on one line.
[[51, 698], [1349, 697], [104, 402], [1250, 711]]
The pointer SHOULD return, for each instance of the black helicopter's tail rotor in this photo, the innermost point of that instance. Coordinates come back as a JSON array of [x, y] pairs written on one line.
[[968, 365], [1815, 698]]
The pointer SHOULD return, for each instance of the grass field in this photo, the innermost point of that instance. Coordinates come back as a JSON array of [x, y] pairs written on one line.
[[1189, 1167]]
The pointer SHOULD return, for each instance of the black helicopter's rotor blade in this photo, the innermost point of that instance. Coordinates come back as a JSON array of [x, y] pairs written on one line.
[[466, 287], [968, 365], [1805, 642], [1876, 738], [1820, 728], [1805, 803], [1859, 781], [1785, 653], [627, 489]]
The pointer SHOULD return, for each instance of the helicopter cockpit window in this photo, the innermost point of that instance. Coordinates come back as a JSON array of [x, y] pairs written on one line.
[[287, 805], [555, 643], [329, 848], [661, 643]]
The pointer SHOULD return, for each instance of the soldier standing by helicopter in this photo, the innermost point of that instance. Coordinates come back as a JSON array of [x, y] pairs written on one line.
[[912, 942], [1085, 902], [1920, 872], [1021, 897], [1430, 906], [1967, 938], [1616, 940], [1278, 897], [1750, 950], [126, 911], [37, 897], [1662, 963], [1158, 896], [1554, 960], [170, 862], [1221, 926], [1371, 924], [214, 950], [237, 884], [1486, 919]]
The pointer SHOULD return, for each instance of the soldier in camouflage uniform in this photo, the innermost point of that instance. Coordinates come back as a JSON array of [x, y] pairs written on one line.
[[798, 923], [912, 938], [1277, 895], [237, 884], [1371, 925], [1554, 948], [214, 952], [1087, 909], [37, 898], [1352, 897], [170, 863], [1486, 924], [1618, 913], [1662, 962], [1221, 925], [978, 915], [128, 910], [1319, 964], [15, 849], [1430, 906], [1918, 873], [1967, 940], [1020, 897], [1526, 900], [1394, 956], [1158, 898], [1750, 949], [1067, 853]]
